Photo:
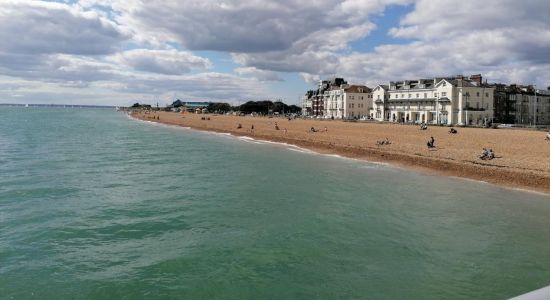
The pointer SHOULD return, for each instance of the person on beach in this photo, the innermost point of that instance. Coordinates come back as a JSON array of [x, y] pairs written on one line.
[[548, 136], [284, 130], [453, 131], [484, 154], [276, 126], [383, 142], [491, 154], [431, 143], [239, 126], [313, 129]]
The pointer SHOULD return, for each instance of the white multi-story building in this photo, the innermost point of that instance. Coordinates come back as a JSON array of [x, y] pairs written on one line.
[[347, 102], [449, 101]]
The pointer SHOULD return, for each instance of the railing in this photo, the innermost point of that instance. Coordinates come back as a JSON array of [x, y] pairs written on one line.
[[540, 294]]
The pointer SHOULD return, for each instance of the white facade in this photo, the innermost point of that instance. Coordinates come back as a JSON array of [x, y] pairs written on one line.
[[434, 101], [347, 102]]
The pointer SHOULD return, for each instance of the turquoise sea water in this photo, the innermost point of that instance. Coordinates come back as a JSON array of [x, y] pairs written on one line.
[[94, 205]]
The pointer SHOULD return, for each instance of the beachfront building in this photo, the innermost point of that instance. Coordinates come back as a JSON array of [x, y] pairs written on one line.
[[380, 97], [348, 102], [520, 104], [313, 101], [307, 103], [449, 101]]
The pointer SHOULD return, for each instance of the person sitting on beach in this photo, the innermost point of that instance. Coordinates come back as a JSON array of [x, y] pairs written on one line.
[[491, 154], [423, 126], [239, 126], [383, 142], [484, 154], [313, 129], [431, 143], [276, 126], [453, 131]]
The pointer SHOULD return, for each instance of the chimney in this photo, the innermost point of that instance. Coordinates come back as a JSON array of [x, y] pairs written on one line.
[[476, 78]]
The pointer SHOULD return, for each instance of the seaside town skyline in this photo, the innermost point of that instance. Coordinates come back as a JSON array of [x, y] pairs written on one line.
[[109, 52]]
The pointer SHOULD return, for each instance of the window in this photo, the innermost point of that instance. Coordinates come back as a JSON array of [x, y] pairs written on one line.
[[378, 97], [396, 96], [487, 95], [410, 96], [478, 94], [443, 94], [403, 96], [352, 105], [417, 95], [425, 95], [435, 95]]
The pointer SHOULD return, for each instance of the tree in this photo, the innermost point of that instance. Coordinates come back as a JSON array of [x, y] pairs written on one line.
[[218, 107]]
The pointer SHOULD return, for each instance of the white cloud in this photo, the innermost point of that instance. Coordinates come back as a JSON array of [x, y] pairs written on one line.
[[38, 27], [170, 62], [261, 75], [507, 41], [84, 47]]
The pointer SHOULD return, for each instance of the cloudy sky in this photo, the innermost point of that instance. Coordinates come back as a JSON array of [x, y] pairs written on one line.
[[122, 51]]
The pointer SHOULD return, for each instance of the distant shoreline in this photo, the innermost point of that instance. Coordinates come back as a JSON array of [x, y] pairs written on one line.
[[522, 156]]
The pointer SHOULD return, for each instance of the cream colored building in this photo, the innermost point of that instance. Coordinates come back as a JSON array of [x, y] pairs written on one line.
[[347, 102], [450, 101]]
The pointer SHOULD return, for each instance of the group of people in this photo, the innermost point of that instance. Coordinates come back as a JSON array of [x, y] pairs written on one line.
[[453, 131], [487, 154], [312, 129], [423, 126], [383, 142]]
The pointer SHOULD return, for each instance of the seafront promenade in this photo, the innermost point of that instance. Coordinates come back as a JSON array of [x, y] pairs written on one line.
[[522, 156]]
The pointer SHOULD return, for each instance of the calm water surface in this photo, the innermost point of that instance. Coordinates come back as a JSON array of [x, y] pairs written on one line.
[[94, 205]]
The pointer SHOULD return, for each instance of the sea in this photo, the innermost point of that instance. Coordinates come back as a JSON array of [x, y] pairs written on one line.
[[96, 205]]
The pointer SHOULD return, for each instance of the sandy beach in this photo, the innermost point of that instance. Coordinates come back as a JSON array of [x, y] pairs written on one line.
[[522, 156]]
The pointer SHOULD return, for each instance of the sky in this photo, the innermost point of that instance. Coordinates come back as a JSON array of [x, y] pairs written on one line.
[[118, 52]]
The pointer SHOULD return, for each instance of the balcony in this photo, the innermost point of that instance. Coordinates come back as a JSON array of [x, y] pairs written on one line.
[[469, 108]]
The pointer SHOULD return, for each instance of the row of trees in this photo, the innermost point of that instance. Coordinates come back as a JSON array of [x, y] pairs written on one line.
[[261, 107], [268, 107]]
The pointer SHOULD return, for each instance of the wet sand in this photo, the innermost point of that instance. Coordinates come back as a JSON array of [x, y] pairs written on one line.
[[522, 156]]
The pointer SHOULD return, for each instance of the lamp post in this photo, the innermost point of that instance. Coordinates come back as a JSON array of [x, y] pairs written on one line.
[[535, 108]]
